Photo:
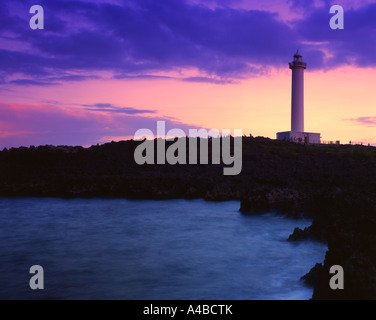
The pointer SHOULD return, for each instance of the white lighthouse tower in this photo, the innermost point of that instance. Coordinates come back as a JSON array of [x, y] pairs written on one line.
[[297, 93], [297, 133]]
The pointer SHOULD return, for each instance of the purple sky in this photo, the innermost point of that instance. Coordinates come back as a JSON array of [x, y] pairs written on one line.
[[133, 38]]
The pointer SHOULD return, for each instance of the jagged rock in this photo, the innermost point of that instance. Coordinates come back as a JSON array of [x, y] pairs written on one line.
[[192, 193], [220, 192], [312, 277], [256, 202], [299, 234], [283, 200]]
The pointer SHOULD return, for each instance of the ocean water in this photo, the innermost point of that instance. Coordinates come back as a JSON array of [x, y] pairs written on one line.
[[146, 249]]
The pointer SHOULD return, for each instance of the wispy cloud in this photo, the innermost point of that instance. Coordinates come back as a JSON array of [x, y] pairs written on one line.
[[208, 80], [108, 107], [365, 121]]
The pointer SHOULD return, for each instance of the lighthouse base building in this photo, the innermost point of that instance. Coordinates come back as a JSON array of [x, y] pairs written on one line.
[[297, 133], [299, 137]]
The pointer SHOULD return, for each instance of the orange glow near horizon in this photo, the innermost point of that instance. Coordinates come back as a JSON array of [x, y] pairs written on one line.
[[260, 105]]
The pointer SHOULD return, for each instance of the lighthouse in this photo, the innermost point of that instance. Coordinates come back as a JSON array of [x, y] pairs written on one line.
[[297, 93], [297, 133]]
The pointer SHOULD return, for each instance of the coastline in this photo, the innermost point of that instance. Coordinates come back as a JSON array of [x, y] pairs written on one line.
[[333, 185]]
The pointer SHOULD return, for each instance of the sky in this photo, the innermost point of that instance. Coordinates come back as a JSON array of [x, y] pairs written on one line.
[[101, 70]]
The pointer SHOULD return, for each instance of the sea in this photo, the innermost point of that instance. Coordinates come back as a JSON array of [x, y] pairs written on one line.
[[120, 249]]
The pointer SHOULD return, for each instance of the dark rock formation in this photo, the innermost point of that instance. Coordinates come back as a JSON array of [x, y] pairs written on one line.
[[350, 231], [313, 276], [283, 200]]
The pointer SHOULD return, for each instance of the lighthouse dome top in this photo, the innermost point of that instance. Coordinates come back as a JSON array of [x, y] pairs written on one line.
[[297, 54], [298, 61]]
